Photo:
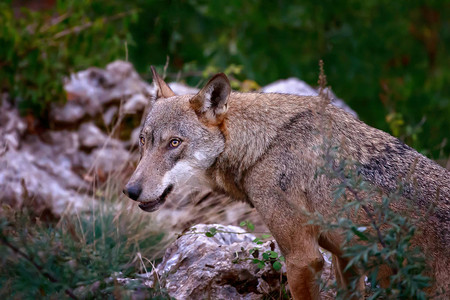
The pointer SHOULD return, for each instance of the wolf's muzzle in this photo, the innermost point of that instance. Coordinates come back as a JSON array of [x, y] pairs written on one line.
[[154, 205]]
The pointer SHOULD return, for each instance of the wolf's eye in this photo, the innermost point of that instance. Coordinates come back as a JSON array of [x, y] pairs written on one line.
[[142, 140], [174, 143]]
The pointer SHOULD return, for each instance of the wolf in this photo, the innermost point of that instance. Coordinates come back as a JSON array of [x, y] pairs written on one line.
[[264, 149]]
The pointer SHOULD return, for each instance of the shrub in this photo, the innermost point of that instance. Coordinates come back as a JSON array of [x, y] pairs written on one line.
[[38, 49], [384, 239]]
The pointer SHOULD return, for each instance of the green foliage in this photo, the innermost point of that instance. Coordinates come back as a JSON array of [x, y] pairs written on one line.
[[211, 232], [249, 225], [77, 257], [382, 237], [270, 257], [388, 61], [38, 49], [382, 57]]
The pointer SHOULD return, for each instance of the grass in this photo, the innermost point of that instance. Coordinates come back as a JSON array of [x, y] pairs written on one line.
[[78, 256]]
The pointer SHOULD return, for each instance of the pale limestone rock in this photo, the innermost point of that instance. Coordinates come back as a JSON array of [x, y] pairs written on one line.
[[91, 136], [197, 267], [42, 177], [90, 92]]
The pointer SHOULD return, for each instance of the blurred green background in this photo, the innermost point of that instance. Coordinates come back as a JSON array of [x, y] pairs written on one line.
[[388, 60]]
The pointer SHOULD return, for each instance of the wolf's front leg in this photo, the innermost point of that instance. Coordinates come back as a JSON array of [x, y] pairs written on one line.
[[284, 209], [298, 242], [304, 267]]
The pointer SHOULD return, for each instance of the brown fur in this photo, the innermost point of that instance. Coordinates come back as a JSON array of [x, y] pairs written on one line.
[[265, 149]]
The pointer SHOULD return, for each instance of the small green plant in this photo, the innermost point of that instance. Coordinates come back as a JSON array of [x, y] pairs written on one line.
[[248, 225], [269, 257]]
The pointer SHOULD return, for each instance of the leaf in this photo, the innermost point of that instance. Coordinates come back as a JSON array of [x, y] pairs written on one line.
[[273, 254], [277, 266], [361, 235]]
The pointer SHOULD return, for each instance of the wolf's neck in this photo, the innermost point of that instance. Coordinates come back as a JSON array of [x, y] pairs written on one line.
[[255, 122]]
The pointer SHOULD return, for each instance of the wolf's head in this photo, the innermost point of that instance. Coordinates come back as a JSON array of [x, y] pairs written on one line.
[[179, 141]]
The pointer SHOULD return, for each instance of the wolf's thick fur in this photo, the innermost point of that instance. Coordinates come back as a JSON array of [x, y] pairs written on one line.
[[265, 149]]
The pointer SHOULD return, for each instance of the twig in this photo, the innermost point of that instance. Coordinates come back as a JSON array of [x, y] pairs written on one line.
[[166, 66], [79, 28], [53, 22], [369, 214]]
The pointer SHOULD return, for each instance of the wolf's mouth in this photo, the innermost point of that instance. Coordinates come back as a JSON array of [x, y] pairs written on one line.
[[154, 205]]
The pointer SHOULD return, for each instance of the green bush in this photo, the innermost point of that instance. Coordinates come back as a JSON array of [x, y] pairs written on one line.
[[38, 49]]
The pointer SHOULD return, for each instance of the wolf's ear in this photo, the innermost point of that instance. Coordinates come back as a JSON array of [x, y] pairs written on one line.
[[162, 89], [211, 102]]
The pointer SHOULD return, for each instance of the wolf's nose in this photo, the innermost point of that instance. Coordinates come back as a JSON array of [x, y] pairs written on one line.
[[133, 191]]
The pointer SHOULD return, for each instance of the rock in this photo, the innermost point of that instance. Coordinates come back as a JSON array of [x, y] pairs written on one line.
[[134, 138], [41, 177], [182, 89], [12, 127], [10, 120], [12, 140], [90, 91], [299, 87], [62, 141], [57, 168], [220, 267], [37, 172], [108, 160], [291, 85], [199, 267], [91, 136], [135, 104], [109, 114], [97, 86], [70, 113]]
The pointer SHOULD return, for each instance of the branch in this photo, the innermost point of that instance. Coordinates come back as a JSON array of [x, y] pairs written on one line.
[[79, 28], [370, 215]]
